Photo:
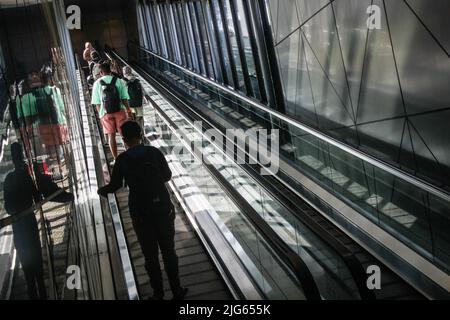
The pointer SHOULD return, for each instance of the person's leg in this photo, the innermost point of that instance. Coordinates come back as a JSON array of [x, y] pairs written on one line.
[[166, 240], [140, 120], [39, 275], [31, 283], [113, 144], [28, 271], [146, 237], [109, 128], [36, 261], [120, 118]]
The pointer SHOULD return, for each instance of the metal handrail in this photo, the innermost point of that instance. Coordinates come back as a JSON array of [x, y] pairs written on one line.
[[354, 152], [119, 232], [13, 219]]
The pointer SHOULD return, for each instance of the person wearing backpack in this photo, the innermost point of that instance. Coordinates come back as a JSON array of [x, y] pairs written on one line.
[[145, 171], [94, 68], [35, 106], [110, 96], [136, 93]]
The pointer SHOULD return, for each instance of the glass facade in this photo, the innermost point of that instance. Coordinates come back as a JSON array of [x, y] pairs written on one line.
[[210, 37], [383, 91]]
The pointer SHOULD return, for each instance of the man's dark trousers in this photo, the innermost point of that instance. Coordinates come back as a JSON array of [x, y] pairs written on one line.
[[157, 229], [28, 247]]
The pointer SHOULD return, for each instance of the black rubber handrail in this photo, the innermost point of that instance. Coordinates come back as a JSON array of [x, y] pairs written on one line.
[[130, 282], [13, 219], [296, 265]]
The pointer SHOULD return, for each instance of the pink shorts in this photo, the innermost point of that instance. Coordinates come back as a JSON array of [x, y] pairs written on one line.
[[50, 134], [112, 122]]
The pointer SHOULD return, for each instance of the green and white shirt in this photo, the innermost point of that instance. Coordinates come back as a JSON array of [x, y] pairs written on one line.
[[97, 92]]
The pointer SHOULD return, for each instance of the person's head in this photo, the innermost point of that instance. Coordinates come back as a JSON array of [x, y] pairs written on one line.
[[105, 69], [47, 78], [88, 45], [34, 80], [13, 90], [127, 72], [131, 133], [17, 155], [46, 71], [95, 56]]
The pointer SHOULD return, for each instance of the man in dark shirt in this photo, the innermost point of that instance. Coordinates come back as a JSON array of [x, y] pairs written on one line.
[[145, 171], [19, 193]]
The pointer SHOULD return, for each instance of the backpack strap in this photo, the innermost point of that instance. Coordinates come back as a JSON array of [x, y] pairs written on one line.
[[113, 81]]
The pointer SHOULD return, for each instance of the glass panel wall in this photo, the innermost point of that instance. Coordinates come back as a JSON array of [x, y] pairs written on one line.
[[177, 28], [183, 34], [198, 38], [161, 31], [416, 216], [191, 37], [210, 37], [219, 26], [203, 35], [231, 33], [383, 91], [173, 35], [217, 58]]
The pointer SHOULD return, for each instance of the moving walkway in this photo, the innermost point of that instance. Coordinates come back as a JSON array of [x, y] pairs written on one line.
[[314, 260], [240, 234]]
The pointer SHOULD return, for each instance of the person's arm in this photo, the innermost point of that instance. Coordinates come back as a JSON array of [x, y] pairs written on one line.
[[166, 173], [34, 191], [127, 106], [124, 96], [116, 180], [96, 96]]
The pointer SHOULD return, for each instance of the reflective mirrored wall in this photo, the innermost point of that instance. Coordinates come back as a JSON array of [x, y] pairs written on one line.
[[373, 74]]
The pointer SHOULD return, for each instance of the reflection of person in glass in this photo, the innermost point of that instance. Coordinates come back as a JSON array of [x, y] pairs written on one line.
[[19, 194]]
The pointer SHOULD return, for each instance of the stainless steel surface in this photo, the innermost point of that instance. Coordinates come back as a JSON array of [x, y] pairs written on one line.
[[100, 224], [376, 239], [435, 17], [370, 87]]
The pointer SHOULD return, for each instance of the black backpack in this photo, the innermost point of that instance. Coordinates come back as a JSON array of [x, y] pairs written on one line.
[[110, 97], [45, 106], [135, 93]]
